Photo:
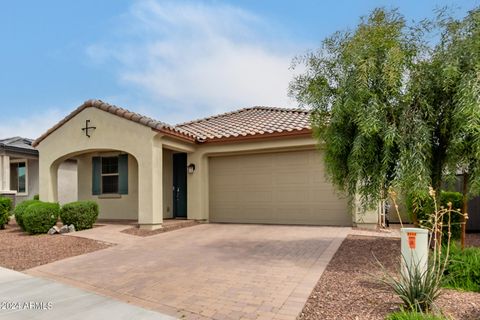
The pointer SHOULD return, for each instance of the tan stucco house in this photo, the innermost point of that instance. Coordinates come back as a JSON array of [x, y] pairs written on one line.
[[254, 165]]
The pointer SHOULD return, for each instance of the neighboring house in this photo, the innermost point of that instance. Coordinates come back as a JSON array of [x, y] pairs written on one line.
[[19, 169], [254, 165], [19, 172]]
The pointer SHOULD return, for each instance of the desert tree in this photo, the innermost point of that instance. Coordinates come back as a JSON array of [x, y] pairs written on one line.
[[356, 84]]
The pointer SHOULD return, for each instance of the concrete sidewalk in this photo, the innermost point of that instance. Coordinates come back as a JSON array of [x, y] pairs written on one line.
[[26, 297]]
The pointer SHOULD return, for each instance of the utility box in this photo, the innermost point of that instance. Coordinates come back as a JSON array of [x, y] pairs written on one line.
[[414, 246]]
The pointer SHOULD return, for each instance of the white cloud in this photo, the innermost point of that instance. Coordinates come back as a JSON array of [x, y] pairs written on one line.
[[197, 59], [31, 126]]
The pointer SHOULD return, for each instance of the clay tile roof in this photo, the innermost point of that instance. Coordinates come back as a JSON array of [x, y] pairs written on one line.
[[132, 116], [249, 122]]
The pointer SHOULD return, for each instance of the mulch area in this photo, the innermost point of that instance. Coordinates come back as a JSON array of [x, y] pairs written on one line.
[[20, 251], [168, 225], [349, 288]]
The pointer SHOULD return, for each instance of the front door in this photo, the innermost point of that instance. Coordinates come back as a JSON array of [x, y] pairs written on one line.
[[180, 185]]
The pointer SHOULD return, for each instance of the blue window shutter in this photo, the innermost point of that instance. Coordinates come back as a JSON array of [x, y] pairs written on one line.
[[96, 175], [123, 174]]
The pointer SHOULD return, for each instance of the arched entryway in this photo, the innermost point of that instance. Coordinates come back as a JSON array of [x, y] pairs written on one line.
[[107, 176]]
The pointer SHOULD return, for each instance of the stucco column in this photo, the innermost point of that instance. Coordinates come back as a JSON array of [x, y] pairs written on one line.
[[47, 176], [150, 190], [197, 187], [6, 173]]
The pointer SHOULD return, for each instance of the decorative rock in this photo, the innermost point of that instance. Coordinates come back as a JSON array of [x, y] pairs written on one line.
[[64, 229], [53, 230], [71, 228]]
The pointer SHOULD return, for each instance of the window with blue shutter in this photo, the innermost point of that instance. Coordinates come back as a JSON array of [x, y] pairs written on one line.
[[110, 175], [123, 174], [96, 175]]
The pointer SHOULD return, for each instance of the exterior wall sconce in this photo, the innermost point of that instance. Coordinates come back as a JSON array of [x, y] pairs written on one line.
[[191, 168]]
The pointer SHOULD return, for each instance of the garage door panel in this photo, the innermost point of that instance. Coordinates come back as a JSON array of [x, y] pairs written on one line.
[[289, 177], [245, 180], [235, 197], [284, 188]]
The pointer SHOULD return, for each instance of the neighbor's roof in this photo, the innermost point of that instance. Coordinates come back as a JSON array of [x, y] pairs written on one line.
[[255, 121], [244, 123], [18, 144]]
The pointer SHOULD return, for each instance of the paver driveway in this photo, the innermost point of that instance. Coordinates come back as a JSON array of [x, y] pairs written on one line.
[[210, 271]]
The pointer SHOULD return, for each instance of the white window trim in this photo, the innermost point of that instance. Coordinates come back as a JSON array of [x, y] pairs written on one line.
[[26, 176], [107, 174]]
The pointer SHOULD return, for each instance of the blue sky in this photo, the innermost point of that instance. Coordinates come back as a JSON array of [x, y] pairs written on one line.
[[171, 60]]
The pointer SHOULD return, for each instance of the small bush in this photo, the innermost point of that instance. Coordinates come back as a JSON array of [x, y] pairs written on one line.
[[82, 214], [40, 217], [5, 211], [411, 315], [421, 206], [36, 197], [20, 210], [463, 269]]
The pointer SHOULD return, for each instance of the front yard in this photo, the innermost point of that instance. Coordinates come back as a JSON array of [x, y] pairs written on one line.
[[21, 251], [349, 289]]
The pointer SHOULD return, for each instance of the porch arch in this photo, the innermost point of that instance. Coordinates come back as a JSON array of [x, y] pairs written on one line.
[[143, 173], [112, 206]]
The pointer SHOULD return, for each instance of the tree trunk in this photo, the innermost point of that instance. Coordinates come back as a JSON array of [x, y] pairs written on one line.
[[464, 209]]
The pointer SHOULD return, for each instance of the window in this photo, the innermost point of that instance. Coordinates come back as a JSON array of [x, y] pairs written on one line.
[[109, 175], [18, 176]]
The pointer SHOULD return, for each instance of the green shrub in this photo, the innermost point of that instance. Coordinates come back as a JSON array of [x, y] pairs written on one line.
[[5, 211], [412, 315], [40, 217], [421, 206], [82, 214], [463, 269], [36, 197], [20, 210]]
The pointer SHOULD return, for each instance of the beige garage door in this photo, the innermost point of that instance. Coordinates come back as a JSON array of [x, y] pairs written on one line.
[[276, 188]]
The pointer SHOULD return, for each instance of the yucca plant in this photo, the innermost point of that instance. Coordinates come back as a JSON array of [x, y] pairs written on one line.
[[418, 287]]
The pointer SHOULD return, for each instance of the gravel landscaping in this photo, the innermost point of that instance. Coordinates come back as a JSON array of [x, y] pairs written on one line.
[[349, 287], [20, 251]]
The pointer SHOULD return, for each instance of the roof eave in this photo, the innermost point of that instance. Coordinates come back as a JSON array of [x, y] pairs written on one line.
[[19, 150], [114, 110], [306, 132], [176, 135]]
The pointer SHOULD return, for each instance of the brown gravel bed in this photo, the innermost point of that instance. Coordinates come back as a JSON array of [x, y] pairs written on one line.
[[167, 226], [20, 251], [349, 287]]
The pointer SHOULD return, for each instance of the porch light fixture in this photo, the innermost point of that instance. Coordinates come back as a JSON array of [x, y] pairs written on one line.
[[191, 168]]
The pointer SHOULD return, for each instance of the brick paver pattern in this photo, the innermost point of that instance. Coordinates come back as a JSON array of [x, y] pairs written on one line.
[[209, 271]]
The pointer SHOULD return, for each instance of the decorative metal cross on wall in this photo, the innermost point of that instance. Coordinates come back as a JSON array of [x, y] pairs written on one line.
[[88, 128]]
